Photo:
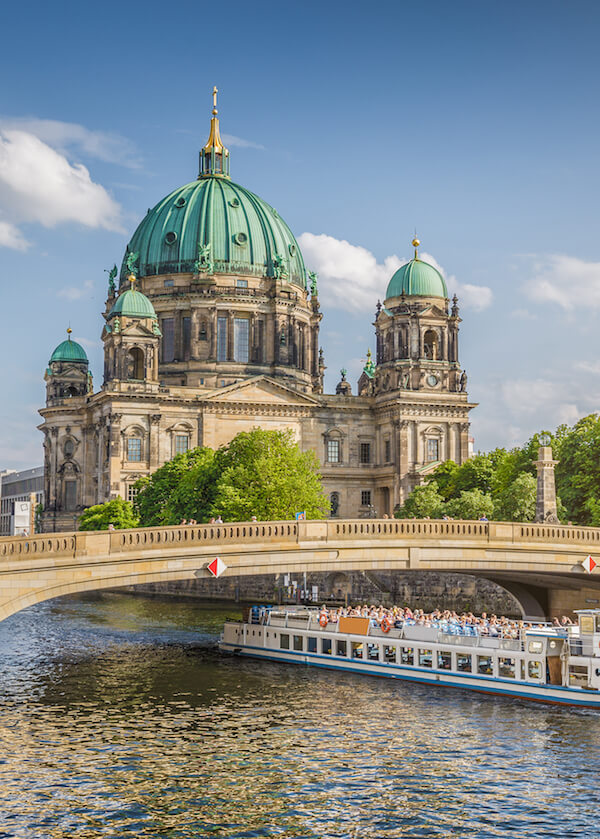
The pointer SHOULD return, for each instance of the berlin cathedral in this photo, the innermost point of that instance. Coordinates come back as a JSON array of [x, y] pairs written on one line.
[[212, 328]]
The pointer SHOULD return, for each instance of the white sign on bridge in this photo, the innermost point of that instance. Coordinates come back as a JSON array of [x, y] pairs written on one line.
[[589, 564], [217, 567]]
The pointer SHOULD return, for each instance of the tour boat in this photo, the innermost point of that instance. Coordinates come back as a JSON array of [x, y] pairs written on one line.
[[546, 664]]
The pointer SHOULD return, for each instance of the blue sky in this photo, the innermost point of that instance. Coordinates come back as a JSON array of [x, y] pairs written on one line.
[[476, 123]]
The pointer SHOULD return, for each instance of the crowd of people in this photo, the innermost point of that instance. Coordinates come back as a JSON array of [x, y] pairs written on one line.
[[446, 620]]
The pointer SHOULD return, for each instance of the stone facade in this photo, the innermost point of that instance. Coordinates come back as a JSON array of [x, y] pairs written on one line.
[[219, 334], [373, 447]]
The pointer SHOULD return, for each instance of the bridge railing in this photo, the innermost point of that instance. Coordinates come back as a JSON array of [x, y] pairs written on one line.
[[105, 542]]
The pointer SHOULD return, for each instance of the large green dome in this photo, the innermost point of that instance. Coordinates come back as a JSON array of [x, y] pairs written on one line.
[[245, 234], [69, 351], [132, 304], [417, 278]]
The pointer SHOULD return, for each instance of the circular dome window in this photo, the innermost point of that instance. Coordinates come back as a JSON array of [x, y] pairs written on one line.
[[180, 202], [292, 250], [234, 202], [171, 238], [240, 238]]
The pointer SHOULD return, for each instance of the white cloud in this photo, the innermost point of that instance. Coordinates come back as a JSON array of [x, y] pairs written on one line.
[[564, 280], [38, 184], [11, 237], [351, 278], [523, 314], [588, 366], [76, 292], [239, 142], [103, 145]]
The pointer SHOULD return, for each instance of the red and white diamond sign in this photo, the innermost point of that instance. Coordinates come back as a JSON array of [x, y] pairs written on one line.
[[589, 564], [217, 566]]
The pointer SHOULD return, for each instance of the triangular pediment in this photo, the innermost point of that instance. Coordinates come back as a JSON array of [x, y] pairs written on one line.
[[262, 389]]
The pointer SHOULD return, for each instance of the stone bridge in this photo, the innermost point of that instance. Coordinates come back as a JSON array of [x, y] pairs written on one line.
[[539, 564]]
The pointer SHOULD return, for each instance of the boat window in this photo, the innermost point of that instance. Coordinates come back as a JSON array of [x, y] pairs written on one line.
[[298, 643], [444, 660], [326, 646], [407, 655], [425, 658], [578, 676], [311, 645], [536, 646], [484, 665], [463, 662], [284, 641], [389, 654], [507, 668], [534, 669], [340, 647], [373, 652], [357, 649]]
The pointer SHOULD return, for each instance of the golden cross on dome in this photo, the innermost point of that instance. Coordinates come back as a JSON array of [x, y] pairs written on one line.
[[215, 91]]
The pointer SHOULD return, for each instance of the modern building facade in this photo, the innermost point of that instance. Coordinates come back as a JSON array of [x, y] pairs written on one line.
[[213, 328], [19, 488]]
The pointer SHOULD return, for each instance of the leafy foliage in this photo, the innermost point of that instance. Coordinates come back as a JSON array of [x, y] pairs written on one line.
[[506, 480], [471, 504], [182, 488], [517, 501], [117, 512], [260, 473], [424, 501], [266, 475]]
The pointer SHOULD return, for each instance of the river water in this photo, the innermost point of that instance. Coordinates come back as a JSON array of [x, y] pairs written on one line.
[[119, 718]]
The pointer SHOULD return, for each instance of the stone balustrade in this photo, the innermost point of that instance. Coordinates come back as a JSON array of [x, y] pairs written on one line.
[[87, 543]]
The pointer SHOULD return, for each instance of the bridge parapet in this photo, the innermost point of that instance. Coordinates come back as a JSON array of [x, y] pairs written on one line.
[[103, 543]]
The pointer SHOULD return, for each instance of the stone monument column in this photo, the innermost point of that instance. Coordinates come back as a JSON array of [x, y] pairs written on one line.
[[545, 505]]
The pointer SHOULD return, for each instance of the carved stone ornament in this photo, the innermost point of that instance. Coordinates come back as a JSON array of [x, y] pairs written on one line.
[[204, 263]]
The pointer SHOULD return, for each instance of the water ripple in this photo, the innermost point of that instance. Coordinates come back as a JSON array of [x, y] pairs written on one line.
[[119, 718]]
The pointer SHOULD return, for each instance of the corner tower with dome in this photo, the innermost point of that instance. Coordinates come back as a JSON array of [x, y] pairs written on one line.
[[211, 327]]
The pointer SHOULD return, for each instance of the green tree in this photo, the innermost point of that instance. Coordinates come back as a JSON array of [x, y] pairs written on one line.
[[264, 474], [471, 504], [117, 512], [475, 473], [517, 501], [445, 478], [578, 470], [424, 502], [182, 488]]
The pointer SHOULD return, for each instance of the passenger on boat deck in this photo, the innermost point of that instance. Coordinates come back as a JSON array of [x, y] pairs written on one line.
[[446, 621]]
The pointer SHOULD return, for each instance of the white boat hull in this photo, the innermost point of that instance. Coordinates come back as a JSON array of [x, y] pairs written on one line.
[[484, 684]]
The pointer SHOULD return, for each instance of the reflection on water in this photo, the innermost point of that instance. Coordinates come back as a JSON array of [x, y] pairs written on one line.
[[119, 718]]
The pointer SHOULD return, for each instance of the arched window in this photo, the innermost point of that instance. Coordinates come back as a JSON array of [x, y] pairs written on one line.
[[431, 345], [135, 363], [71, 391], [69, 447], [334, 501]]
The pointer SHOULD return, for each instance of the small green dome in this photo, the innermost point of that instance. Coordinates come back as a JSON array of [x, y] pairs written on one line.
[[69, 351], [417, 278], [132, 304], [244, 234]]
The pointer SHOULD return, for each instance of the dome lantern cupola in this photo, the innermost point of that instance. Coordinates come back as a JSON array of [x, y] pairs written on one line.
[[214, 157], [417, 279]]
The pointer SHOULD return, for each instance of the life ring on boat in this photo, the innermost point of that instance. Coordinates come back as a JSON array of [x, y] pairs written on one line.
[[385, 625], [323, 621]]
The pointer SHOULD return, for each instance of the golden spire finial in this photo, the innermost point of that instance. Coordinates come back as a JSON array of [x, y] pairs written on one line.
[[415, 244], [132, 279], [69, 330], [214, 157]]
